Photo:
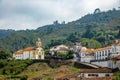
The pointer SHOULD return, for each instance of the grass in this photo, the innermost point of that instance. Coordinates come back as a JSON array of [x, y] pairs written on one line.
[[43, 70]]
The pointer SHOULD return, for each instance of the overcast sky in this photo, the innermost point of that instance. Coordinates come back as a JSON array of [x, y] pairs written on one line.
[[31, 14]]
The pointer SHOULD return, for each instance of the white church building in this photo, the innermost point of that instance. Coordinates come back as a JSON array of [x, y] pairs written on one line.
[[36, 52]]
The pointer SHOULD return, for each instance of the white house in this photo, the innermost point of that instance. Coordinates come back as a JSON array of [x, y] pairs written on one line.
[[103, 56], [86, 55], [58, 49], [31, 52], [92, 73], [103, 53]]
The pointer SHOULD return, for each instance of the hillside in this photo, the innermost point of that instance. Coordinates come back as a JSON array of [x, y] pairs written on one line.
[[4, 33], [35, 69], [101, 28], [42, 70]]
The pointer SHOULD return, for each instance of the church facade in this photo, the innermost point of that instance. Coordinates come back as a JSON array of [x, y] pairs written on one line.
[[36, 52]]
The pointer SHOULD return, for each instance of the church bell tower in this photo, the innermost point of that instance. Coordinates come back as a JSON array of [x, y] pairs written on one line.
[[39, 43]]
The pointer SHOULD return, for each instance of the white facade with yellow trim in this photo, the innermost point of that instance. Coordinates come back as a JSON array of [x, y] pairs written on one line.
[[31, 52]]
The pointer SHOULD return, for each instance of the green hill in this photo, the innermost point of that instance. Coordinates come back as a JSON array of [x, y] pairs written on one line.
[[100, 29]]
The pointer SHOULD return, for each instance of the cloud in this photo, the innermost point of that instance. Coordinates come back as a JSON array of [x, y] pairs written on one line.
[[31, 14]]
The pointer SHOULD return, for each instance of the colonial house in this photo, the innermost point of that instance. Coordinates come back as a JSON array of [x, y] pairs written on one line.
[[94, 73], [103, 53], [86, 54], [101, 56], [59, 49], [36, 52]]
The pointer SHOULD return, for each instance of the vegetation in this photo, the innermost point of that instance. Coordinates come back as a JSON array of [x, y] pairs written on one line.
[[13, 66], [64, 55], [101, 27], [44, 71], [117, 76], [5, 54]]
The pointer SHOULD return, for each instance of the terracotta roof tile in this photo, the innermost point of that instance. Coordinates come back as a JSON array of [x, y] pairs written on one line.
[[105, 48], [89, 51], [116, 43], [117, 57], [19, 52], [98, 70], [29, 48]]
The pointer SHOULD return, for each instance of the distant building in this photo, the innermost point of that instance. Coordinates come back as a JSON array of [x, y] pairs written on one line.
[[101, 56], [87, 55], [36, 52], [94, 73], [59, 49]]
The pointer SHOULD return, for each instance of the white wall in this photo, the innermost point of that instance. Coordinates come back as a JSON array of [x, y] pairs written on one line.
[[109, 64], [25, 54], [18, 56], [99, 75], [31, 54], [118, 64]]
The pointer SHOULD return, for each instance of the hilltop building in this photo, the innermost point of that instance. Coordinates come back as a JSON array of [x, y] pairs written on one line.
[[36, 52]]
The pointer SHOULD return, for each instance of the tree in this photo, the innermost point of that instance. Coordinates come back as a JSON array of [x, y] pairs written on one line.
[[73, 38], [90, 43], [5, 54]]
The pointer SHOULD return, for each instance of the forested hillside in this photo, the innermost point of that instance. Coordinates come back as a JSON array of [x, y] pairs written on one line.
[[4, 33], [93, 30]]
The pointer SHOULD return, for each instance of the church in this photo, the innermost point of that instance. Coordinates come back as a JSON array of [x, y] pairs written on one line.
[[36, 52]]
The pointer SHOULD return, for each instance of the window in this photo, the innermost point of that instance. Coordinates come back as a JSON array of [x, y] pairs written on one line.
[[96, 75], [107, 74]]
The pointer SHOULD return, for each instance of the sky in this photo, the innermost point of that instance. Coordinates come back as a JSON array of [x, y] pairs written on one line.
[[31, 14]]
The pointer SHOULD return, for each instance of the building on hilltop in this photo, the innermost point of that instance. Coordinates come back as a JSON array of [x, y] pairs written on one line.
[[36, 52]]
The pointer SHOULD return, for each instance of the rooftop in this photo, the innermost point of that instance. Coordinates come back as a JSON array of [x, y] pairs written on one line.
[[105, 48], [100, 78], [19, 52], [98, 70], [29, 48]]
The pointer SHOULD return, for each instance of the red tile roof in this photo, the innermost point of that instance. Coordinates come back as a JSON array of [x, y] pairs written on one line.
[[117, 57], [98, 70], [19, 52], [29, 48], [105, 48], [116, 43], [89, 51]]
